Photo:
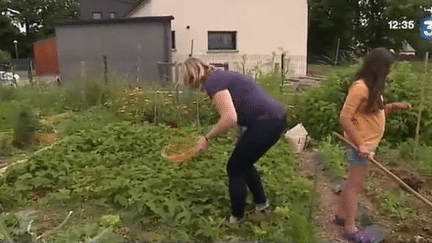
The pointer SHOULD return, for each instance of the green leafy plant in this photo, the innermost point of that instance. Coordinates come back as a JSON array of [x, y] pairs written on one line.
[[334, 156], [7, 93], [402, 86], [110, 221], [394, 204], [119, 166], [319, 106], [25, 126], [6, 148]]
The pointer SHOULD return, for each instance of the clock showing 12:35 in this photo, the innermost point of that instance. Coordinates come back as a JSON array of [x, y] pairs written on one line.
[[401, 25]]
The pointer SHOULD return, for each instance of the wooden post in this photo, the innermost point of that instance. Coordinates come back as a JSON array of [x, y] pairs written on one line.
[[30, 72], [422, 87], [155, 107], [197, 106], [191, 53], [282, 71], [337, 51], [176, 91], [105, 69]]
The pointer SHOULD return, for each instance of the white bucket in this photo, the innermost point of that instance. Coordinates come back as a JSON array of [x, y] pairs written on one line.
[[297, 137]]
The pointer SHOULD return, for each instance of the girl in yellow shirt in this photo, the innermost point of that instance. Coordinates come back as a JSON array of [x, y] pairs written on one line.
[[363, 120]]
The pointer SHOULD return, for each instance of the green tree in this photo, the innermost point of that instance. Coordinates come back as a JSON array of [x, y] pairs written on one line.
[[37, 17], [8, 33], [372, 28], [363, 23], [4, 55], [408, 10], [379, 13], [330, 20]]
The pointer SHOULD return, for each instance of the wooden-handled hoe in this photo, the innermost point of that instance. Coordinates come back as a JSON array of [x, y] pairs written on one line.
[[381, 167]]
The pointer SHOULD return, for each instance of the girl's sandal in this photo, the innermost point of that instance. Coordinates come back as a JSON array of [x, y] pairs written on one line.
[[336, 220], [360, 236]]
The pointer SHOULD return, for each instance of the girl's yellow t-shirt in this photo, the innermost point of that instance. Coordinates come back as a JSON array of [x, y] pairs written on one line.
[[370, 126]]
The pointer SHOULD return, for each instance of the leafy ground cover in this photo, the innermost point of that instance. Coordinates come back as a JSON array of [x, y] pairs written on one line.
[[107, 168], [116, 174]]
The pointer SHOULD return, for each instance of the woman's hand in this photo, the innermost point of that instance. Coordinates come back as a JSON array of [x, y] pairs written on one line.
[[202, 144]]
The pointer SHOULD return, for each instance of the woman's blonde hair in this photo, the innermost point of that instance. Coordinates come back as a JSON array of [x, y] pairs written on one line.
[[194, 72]]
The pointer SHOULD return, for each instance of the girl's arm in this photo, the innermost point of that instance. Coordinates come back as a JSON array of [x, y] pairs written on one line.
[[228, 114], [396, 106]]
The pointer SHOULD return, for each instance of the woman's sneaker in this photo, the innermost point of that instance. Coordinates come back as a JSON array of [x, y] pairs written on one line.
[[263, 207]]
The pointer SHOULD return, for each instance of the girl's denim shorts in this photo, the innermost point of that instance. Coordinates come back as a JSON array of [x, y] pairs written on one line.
[[354, 158]]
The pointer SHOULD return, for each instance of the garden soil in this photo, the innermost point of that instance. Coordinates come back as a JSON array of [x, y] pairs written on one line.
[[415, 227]]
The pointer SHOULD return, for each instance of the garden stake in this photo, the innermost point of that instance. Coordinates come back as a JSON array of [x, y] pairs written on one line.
[[197, 107], [422, 84], [371, 159]]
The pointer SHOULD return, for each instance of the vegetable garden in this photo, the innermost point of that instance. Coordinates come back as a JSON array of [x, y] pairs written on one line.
[[84, 163]]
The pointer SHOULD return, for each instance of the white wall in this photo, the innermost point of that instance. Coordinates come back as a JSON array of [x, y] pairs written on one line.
[[262, 27]]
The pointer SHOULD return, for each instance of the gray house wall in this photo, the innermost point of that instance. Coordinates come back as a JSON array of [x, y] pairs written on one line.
[[133, 47], [119, 7]]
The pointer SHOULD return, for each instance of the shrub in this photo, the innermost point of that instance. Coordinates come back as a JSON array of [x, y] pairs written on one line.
[[26, 125], [319, 106], [5, 146], [7, 93], [401, 86]]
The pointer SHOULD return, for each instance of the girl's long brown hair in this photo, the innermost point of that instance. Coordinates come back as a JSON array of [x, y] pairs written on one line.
[[374, 71]]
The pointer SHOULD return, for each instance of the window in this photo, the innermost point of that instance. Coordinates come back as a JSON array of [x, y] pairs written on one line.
[[173, 39], [112, 15], [97, 15], [222, 40]]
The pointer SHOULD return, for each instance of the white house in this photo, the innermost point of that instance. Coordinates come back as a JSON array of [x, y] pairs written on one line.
[[237, 32]]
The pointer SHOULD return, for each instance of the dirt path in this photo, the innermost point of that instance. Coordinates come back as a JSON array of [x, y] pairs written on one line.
[[327, 199], [409, 222], [407, 219]]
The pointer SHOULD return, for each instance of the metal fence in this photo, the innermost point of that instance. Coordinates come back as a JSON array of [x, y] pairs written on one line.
[[15, 64], [251, 64]]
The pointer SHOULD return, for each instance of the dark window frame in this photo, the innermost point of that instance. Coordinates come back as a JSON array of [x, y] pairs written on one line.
[[96, 12], [233, 40], [173, 44]]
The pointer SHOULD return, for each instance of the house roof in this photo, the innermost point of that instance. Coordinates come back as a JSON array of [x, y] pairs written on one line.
[[137, 6], [114, 21], [406, 47], [51, 37], [128, 1]]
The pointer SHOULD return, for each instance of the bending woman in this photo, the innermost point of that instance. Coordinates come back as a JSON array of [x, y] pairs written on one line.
[[240, 103]]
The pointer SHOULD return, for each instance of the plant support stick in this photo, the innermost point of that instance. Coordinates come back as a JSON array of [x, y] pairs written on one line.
[[422, 86]]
